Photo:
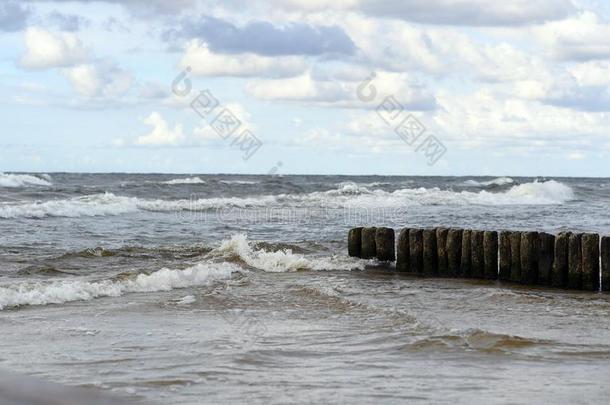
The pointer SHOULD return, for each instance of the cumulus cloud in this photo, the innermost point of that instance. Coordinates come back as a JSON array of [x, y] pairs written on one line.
[[101, 79], [580, 38], [342, 92], [161, 134], [263, 38], [13, 16], [204, 62], [46, 50], [489, 118]]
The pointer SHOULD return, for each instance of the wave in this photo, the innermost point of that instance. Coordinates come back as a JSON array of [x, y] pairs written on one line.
[[239, 182], [283, 260], [477, 339], [24, 180], [500, 181], [110, 204], [59, 292], [351, 195], [347, 196], [188, 180]]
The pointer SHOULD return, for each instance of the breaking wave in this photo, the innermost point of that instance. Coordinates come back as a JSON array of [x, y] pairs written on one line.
[[24, 180], [58, 292], [283, 260], [346, 196], [110, 204], [352, 195], [188, 180], [500, 181]]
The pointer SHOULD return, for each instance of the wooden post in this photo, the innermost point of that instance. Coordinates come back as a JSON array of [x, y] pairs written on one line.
[[441, 246], [465, 263], [504, 255], [605, 253], [546, 253], [515, 257], [529, 258], [575, 261], [384, 243], [416, 248], [590, 262], [402, 251], [477, 260], [354, 242], [490, 249], [369, 249], [559, 276], [430, 252], [454, 251]]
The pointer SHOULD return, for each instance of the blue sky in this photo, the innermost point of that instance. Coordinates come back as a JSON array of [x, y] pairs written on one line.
[[506, 88]]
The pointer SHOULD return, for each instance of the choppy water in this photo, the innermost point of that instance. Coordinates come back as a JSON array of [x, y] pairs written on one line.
[[197, 288]]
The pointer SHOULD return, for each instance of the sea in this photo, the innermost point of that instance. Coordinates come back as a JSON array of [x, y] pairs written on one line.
[[193, 288]]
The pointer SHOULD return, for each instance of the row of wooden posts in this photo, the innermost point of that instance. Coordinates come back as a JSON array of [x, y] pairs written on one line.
[[567, 260]]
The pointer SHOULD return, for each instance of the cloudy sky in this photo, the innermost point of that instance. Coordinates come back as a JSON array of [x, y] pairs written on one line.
[[516, 87]]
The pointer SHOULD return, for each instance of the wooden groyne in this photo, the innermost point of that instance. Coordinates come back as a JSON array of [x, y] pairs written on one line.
[[579, 261]]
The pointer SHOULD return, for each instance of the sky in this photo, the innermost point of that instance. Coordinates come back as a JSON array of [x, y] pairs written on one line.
[[436, 87]]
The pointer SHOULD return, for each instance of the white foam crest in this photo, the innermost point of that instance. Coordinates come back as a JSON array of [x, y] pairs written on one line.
[[24, 180], [110, 204], [239, 182], [282, 260], [500, 181], [59, 292], [188, 180], [535, 193]]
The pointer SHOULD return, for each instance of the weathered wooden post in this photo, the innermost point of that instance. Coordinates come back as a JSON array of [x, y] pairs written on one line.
[[559, 276], [590, 262], [515, 257], [504, 255], [529, 258], [354, 242], [490, 248], [402, 251], [546, 253], [416, 247], [605, 253], [430, 252], [384, 243], [441, 246], [575, 261], [465, 263], [477, 259], [368, 247], [454, 251]]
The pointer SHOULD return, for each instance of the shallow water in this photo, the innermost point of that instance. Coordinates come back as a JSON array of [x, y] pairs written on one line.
[[238, 289]]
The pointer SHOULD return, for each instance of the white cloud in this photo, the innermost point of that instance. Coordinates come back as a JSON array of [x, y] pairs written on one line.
[[46, 50], [204, 62], [594, 73], [100, 79], [328, 91], [161, 134], [583, 37], [488, 118]]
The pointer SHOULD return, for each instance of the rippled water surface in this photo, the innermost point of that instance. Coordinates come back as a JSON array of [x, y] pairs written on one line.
[[211, 289]]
